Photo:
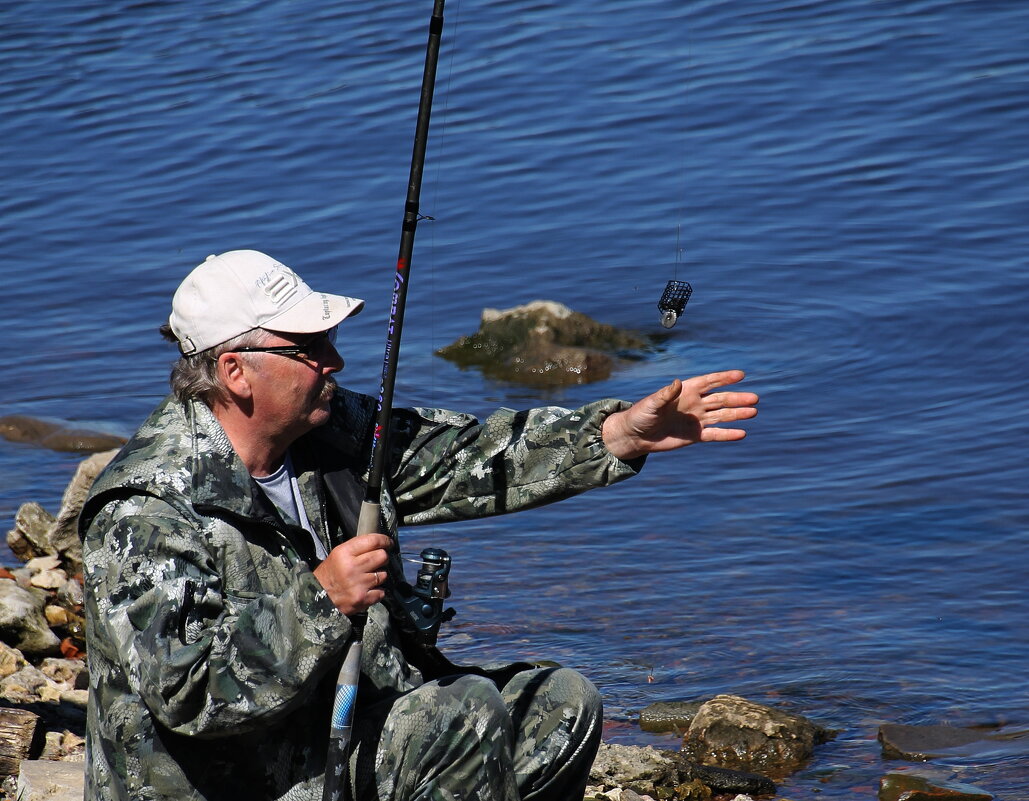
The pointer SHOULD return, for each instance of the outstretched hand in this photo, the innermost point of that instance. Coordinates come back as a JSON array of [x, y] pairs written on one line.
[[680, 414]]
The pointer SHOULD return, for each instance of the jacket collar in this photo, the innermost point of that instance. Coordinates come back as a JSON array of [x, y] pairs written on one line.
[[219, 477]]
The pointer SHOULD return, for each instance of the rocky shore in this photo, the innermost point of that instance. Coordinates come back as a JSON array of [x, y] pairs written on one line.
[[732, 749]]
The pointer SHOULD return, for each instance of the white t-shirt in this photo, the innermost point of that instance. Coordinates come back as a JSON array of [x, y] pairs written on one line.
[[282, 489]]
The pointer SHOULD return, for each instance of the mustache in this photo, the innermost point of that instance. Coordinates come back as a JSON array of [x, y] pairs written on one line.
[[328, 391]]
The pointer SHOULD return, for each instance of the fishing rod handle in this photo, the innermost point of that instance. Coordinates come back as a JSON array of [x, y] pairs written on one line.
[[333, 788], [346, 684], [369, 519]]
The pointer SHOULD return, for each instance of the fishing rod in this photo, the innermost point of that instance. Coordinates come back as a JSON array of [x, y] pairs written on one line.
[[437, 565]]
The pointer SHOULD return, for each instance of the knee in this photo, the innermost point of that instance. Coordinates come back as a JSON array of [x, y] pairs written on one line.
[[473, 699], [555, 690], [577, 688]]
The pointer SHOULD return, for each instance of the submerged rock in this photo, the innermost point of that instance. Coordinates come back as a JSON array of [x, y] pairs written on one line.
[[543, 343], [920, 787], [665, 716], [56, 435], [732, 732], [919, 743]]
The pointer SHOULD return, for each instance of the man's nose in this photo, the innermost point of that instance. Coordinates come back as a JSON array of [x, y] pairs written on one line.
[[333, 362]]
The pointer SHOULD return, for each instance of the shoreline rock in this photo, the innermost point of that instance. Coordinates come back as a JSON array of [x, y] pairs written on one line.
[[37, 533], [732, 732]]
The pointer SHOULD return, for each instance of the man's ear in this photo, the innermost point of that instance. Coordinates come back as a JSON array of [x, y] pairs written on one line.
[[234, 375]]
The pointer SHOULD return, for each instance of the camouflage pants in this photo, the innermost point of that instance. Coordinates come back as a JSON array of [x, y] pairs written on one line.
[[462, 739]]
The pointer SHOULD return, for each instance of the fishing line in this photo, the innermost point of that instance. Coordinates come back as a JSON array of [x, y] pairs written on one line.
[[677, 293], [453, 28]]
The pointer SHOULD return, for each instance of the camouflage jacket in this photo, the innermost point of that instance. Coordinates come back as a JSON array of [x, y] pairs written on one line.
[[212, 648]]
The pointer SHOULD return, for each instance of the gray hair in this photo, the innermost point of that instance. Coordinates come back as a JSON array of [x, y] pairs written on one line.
[[196, 376]]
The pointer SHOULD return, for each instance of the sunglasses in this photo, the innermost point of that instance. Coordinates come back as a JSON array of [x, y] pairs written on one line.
[[308, 350]]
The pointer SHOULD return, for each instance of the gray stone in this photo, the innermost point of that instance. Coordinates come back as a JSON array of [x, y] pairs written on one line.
[[70, 672], [732, 732], [41, 780], [71, 595], [48, 562], [49, 579], [651, 771], [29, 537], [24, 686], [622, 765], [64, 746], [23, 624], [920, 743], [11, 660]]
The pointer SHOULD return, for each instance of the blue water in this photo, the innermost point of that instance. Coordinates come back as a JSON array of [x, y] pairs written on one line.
[[843, 183]]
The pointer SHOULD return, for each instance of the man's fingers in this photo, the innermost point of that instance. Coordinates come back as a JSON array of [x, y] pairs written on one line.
[[706, 383], [363, 543], [727, 414], [720, 400], [722, 434], [668, 394]]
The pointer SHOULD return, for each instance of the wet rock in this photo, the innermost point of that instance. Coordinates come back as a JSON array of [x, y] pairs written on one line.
[[920, 787], [665, 716], [667, 774], [23, 624], [56, 435], [732, 732], [22, 428], [29, 537], [920, 743], [542, 344]]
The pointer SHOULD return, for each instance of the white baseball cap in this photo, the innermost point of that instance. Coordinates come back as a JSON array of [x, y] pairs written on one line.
[[240, 290]]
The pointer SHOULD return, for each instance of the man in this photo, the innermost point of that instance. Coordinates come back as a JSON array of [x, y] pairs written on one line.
[[221, 566]]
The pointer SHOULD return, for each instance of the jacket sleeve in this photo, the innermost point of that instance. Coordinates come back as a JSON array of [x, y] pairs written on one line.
[[204, 661], [451, 467]]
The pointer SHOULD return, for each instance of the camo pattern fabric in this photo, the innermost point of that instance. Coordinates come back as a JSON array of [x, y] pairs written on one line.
[[462, 738], [213, 649]]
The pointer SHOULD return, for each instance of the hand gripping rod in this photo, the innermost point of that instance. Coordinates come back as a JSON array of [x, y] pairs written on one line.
[[368, 521]]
